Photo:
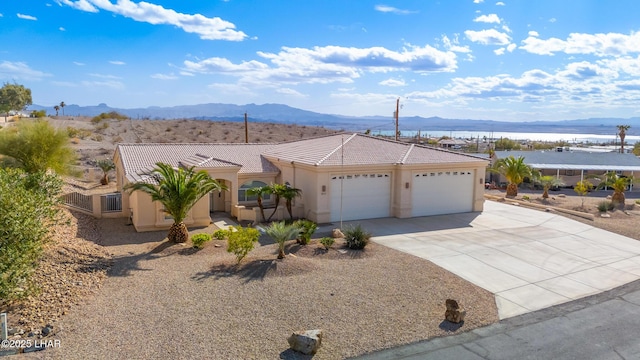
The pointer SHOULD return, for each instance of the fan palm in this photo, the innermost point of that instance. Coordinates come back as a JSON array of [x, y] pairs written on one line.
[[56, 108], [260, 192], [289, 193], [177, 190], [547, 183], [105, 165], [616, 182], [514, 170], [62, 105], [622, 132], [281, 232]]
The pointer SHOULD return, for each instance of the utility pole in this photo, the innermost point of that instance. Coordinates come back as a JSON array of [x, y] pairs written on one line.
[[246, 129], [397, 109]]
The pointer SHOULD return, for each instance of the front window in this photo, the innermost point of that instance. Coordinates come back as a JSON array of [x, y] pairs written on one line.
[[243, 195]]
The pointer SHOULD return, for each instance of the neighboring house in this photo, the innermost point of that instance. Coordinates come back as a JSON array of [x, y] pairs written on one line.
[[574, 166], [452, 143], [342, 177]]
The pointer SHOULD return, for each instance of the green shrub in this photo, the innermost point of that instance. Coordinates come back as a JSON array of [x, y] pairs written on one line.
[[241, 240], [526, 198], [327, 242], [198, 240], [28, 209], [356, 237], [604, 206], [307, 228], [220, 234], [638, 202]]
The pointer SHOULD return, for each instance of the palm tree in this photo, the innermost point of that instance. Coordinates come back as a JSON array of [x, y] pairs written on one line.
[[617, 183], [289, 193], [178, 191], [56, 108], [281, 232], [622, 132], [62, 105], [105, 165], [260, 192], [514, 170], [278, 190], [548, 182]]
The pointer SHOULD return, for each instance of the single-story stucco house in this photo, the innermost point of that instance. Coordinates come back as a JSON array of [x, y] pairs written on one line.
[[574, 166], [342, 177]]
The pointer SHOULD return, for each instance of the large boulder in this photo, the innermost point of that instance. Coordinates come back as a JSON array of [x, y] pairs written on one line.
[[337, 233], [307, 342]]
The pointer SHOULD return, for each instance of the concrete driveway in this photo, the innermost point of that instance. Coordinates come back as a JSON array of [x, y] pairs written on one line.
[[529, 259]]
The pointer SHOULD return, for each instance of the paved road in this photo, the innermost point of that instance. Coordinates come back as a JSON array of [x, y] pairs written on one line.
[[603, 326]]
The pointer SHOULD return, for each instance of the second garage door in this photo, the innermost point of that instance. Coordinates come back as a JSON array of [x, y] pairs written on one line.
[[360, 196], [442, 192]]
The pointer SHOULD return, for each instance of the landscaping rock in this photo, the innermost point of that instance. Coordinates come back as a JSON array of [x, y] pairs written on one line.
[[562, 196], [307, 342], [455, 313], [337, 233], [46, 330], [605, 215]]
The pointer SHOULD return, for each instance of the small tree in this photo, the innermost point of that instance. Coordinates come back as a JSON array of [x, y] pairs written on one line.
[[62, 105], [36, 146], [14, 97], [241, 240], [56, 108], [582, 188], [278, 190], [289, 193], [622, 132], [281, 232], [616, 182], [105, 165]]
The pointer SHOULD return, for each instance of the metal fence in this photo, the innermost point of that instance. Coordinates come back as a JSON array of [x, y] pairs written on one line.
[[80, 201], [111, 203]]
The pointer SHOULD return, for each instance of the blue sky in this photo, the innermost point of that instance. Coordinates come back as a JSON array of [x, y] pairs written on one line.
[[472, 59]]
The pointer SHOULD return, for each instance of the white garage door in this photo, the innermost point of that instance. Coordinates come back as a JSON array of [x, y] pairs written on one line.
[[442, 192], [364, 196]]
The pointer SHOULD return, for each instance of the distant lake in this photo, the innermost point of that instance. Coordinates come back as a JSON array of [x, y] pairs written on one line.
[[572, 138]]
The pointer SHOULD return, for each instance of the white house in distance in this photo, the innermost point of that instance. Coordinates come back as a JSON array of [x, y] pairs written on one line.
[[342, 177]]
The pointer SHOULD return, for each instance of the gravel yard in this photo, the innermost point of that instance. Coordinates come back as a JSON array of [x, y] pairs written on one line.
[[166, 301]]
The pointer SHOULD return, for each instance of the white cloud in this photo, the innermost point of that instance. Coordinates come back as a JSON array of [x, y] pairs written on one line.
[[186, 73], [552, 20], [391, 9], [164, 76], [506, 28], [478, 1], [27, 17], [62, 29], [499, 51], [610, 44], [499, 3], [511, 47], [19, 70], [328, 64], [453, 45], [488, 37], [207, 28], [108, 84], [392, 82], [290, 92], [533, 33], [102, 76], [491, 18], [117, 62], [79, 63]]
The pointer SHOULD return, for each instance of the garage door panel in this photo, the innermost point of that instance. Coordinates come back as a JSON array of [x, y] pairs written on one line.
[[442, 192], [363, 196]]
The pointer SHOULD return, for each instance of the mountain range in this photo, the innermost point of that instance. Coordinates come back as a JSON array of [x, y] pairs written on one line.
[[279, 113]]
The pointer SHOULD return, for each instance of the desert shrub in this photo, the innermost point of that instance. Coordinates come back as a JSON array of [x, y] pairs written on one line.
[[198, 240], [307, 228], [356, 237], [327, 242], [241, 240], [220, 234], [526, 198], [604, 206], [638, 202], [109, 115], [28, 210], [97, 137]]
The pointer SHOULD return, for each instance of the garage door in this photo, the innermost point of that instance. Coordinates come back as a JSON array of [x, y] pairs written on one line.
[[442, 192], [364, 196]]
